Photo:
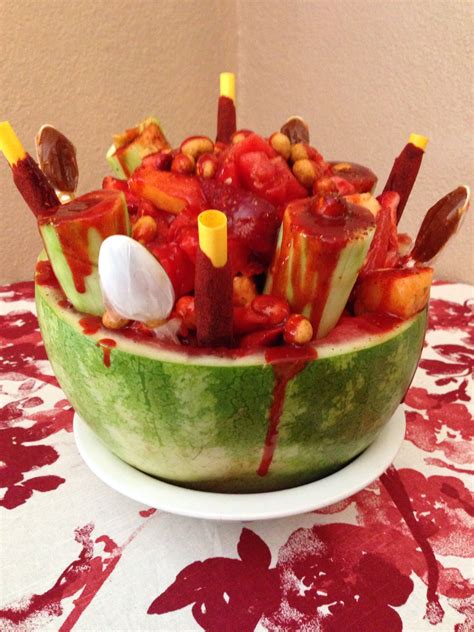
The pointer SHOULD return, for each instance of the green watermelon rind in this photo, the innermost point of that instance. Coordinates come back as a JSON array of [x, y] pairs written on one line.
[[201, 421]]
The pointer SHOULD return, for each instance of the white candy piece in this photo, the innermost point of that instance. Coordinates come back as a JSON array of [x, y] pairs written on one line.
[[134, 284]]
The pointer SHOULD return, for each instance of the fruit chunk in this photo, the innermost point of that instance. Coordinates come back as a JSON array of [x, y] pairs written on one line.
[[129, 148], [73, 237], [361, 178], [253, 222], [383, 251], [171, 192], [400, 292], [322, 246]]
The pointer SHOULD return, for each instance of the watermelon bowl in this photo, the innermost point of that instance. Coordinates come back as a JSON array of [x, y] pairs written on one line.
[[225, 422]]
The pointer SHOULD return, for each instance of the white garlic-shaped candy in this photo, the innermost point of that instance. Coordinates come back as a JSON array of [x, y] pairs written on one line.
[[134, 284]]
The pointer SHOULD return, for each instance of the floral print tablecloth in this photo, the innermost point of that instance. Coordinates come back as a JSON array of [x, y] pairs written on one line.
[[77, 555]]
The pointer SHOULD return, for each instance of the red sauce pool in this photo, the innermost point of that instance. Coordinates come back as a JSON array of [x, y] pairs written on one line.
[[90, 325]]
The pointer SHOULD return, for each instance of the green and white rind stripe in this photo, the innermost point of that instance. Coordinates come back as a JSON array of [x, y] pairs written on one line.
[[343, 279], [201, 421]]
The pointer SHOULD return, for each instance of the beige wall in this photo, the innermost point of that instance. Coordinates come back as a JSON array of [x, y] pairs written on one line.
[[364, 74]]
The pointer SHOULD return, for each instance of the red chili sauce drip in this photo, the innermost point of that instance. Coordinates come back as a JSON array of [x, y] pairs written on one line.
[[34, 187], [107, 344], [315, 230], [99, 210], [90, 325], [226, 119], [45, 276], [286, 362]]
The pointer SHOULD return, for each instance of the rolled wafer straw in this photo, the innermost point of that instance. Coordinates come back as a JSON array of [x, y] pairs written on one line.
[[10, 144], [212, 229], [405, 170], [226, 114], [213, 282], [227, 85]]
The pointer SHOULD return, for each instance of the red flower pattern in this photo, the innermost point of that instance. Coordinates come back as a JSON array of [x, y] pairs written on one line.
[[328, 577]]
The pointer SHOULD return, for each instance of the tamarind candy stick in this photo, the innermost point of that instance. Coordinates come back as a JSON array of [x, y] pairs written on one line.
[[440, 223], [226, 115], [405, 170], [27, 176], [213, 282]]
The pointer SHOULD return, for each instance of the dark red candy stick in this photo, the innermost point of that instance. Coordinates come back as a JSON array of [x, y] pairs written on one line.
[[27, 176], [405, 170], [213, 282], [226, 115]]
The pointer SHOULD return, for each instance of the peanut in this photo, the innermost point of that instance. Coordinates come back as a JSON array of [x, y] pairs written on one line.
[[281, 144], [111, 320], [185, 308], [298, 330], [305, 171], [144, 230], [206, 166], [183, 163], [154, 324], [244, 291], [239, 136], [276, 310], [195, 146]]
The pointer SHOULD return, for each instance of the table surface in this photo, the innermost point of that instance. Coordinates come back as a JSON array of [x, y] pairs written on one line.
[[397, 555]]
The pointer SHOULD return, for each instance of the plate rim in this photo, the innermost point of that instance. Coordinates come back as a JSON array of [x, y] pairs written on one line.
[[144, 488]]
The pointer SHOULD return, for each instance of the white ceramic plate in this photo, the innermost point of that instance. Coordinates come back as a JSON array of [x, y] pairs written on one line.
[[263, 506]]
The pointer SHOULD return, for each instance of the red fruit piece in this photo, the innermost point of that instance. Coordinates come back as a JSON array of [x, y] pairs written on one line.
[[383, 251], [265, 312], [269, 178], [171, 192], [110, 182], [228, 159], [252, 221], [361, 178], [177, 265]]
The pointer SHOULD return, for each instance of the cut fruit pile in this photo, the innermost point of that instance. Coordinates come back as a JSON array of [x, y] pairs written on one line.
[[303, 239]]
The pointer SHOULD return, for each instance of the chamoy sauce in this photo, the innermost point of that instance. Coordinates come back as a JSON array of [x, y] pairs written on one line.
[[90, 325], [45, 276], [106, 344], [286, 362]]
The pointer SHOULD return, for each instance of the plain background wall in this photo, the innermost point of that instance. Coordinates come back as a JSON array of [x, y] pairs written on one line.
[[363, 73]]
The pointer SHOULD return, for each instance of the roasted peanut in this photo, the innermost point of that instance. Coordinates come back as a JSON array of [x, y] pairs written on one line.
[[183, 163], [206, 166], [281, 144], [298, 330], [244, 291], [111, 320], [240, 135], [144, 229], [276, 310], [185, 308], [154, 324], [195, 146], [305, 172]]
